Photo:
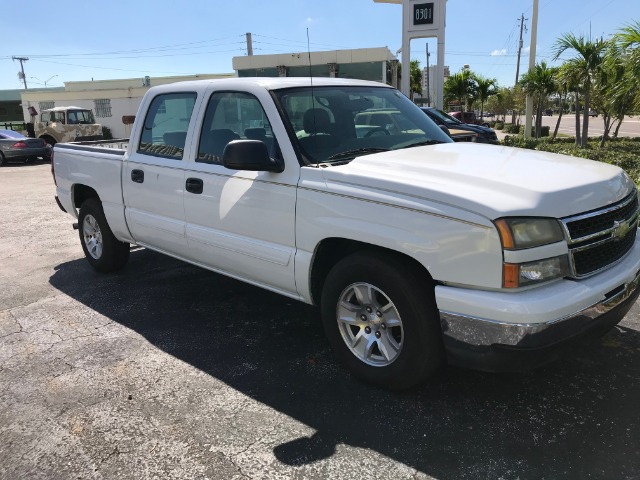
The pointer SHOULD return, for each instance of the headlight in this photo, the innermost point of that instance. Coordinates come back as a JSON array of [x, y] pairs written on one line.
[[521, 274], [520, 233]]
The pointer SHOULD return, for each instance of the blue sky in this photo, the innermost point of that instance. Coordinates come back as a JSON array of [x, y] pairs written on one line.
[[125, 39]]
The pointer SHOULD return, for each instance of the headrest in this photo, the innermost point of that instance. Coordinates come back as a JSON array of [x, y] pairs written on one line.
[[316, 120]]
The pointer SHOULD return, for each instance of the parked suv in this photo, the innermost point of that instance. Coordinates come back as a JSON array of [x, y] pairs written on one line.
[[481, 134], [67, 124]]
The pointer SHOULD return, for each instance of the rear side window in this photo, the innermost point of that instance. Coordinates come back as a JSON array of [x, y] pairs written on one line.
[[165, 127]]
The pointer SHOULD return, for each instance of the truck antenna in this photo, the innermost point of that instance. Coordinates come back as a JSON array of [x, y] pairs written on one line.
[[313, 97]]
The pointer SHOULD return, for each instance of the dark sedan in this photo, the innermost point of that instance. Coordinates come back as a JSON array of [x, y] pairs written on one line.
[[16, 147], [481, 134]]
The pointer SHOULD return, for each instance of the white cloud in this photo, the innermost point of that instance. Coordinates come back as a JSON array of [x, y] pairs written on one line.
[[499, 53]]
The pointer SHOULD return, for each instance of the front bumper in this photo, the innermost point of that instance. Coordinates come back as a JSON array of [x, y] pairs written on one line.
[[515, 332]]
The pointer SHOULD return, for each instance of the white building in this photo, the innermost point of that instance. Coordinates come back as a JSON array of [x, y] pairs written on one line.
[[429, 84], [375, 64], [110, 100]]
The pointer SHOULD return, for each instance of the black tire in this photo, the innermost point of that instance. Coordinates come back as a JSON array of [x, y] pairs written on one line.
[[420, 351], [50, 140], [95, 233], [2, 160]]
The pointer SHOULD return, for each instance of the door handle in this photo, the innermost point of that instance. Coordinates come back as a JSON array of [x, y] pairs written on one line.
[[137, 176], [194, 185]]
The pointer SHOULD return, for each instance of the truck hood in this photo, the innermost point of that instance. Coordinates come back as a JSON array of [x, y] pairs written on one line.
[[491, 181]]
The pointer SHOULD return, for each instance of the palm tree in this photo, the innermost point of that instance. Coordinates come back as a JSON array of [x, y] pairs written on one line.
[[459, 86], [485, 88], [539, 82], [627, 46], [590, 54], [569, 80]]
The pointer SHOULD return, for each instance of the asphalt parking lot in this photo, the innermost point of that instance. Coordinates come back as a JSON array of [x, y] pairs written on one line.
[[169, 371]]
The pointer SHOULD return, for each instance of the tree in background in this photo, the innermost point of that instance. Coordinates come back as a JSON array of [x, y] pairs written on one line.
[[623, 61], [460, 87], [485, 88], [570, 82], [501, 102], [415, 79], [589, 59], [539, 82]]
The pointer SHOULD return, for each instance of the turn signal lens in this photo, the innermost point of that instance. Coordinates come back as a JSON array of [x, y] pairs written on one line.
[[516, 275]]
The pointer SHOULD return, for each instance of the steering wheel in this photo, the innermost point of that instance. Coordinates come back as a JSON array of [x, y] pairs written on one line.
[[376, 130]]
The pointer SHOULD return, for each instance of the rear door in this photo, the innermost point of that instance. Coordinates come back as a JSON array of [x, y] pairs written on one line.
[[241, 222], [153, 177]]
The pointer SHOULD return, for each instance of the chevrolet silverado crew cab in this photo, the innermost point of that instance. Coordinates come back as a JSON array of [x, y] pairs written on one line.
[[416, 249]]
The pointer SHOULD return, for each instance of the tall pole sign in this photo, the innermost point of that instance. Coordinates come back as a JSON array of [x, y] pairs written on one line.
[[422, 19]]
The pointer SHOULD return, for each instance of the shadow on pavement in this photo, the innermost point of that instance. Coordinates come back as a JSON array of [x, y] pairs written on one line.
[[577, 418]]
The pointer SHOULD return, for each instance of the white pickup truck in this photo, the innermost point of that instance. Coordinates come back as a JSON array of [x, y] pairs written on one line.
[[417, 250]]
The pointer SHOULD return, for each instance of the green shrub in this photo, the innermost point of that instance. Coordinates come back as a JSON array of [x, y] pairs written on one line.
[[520, 142], [498, 125], [511, 128], [106, 133], [544, 131]]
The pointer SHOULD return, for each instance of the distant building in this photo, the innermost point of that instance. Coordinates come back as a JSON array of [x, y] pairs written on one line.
[[110, 100], [428, 83], [10, 108], [375, 64]]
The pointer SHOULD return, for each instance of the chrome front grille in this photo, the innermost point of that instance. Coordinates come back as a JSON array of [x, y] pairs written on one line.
[[600, 238]]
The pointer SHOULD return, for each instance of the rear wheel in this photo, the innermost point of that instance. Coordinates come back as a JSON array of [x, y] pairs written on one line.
[[380, 317], [50, 140], [103, 250]]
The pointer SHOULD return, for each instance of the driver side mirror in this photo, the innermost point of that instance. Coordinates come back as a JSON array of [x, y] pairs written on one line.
[[249, 155]]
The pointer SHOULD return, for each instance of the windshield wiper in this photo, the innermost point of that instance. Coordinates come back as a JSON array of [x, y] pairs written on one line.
[[354, 153], [423, 143]]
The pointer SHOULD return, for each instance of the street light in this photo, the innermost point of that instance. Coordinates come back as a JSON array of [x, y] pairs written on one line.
[[45, 82]]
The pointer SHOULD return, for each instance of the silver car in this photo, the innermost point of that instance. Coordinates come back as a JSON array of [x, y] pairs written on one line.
[[16, 147]]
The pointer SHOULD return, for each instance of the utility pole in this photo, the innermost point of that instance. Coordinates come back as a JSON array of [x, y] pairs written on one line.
[[532, 64], [522, 19], [428, 78], [249, 44], [22, 60]]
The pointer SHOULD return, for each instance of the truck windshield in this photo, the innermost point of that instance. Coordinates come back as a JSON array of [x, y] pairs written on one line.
[[336, 123], [81, 117]]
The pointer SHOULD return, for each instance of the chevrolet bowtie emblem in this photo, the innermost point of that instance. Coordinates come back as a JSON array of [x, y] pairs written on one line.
[[620, 229]]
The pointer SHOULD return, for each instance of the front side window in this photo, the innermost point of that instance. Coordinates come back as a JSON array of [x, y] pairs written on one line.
[[164, 132], [233, 116], [82, 117]]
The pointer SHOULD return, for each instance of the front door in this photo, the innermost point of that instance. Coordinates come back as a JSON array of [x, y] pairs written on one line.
[[240, 222]]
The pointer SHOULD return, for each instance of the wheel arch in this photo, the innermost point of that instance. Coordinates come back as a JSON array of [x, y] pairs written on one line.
[[331, 250], [81, 193], [49, 139]]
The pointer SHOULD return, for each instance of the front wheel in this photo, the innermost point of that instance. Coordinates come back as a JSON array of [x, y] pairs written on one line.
[[103, 250], [380, 317]]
